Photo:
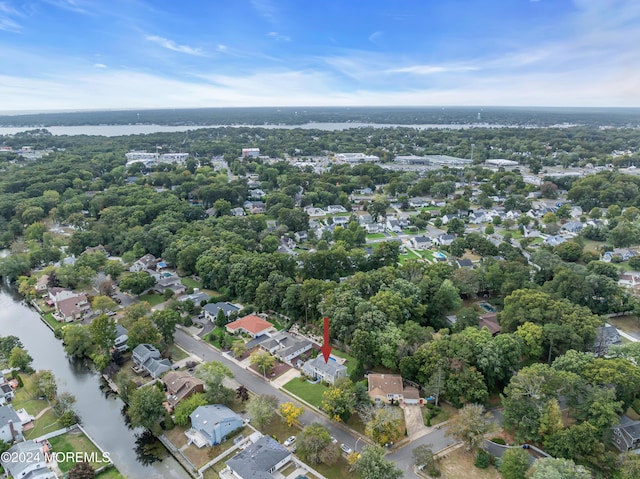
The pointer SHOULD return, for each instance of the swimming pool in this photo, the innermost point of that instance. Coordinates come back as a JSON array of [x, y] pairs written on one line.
[[487, 307], [437, 254]]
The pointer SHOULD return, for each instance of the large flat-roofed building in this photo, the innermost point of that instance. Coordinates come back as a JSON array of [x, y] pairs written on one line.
[[151, 158], [357, 158], [432, 160]]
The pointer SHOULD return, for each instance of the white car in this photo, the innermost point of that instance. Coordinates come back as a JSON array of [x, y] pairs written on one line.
[[346, 449], [290, 440], [333, 440]]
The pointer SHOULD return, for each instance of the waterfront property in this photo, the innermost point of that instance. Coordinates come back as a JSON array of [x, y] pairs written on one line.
[[147, 358], [30, 461], [10, 424], [181, 385], [259, 460], [211, 424]]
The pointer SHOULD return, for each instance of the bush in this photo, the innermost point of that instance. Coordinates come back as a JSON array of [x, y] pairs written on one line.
[[167, 423], [18, 378], [635, 405], [434, 472], [498, 440], [187, 321], [483, 459]]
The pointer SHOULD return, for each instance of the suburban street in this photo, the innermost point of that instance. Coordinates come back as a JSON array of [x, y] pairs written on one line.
[[402, 457]]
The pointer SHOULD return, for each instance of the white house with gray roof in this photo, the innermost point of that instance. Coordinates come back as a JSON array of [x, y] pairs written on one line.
[[10, 424], [33, 464], [286, 347], [328, 372], [148, 358], [211, 310], [260, 460], [211, 424]]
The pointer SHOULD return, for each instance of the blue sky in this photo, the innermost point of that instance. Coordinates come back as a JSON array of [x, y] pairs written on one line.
[[91, 54]]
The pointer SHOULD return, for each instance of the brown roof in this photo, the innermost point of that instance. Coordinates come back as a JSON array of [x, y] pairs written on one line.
[[490, 321], [70, 306], [180, 385], [386, 383], [251, 323], [411, 393]]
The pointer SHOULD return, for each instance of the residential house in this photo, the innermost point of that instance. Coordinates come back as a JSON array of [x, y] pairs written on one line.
[[42, 284], [626, 436], [606, 336], [73, 308], [6, 392], [148, 261], [447, 218], [181, 385], [334, 209], [172, 282], [252, 325], [554, 240], [365, 219], [479, 217], [59, 294], [393, 225], [572, 226], [444, 239], [211, 310], [260, 460], [96, 249], [490, 321], [300, 236], [211, 424], [464, 263], [122, 336], [384, 388], [373, 228], [197, 297], [341, 221], [10, 424], [314, 212], [255, 207], [421, 242], [237, 211], [28, 461], [329, 371], [148, 358], [286, 347], [419, 202], [257, 194]]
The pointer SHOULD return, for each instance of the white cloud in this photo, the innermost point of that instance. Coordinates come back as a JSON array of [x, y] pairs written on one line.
[[375, 37], [8, 16], [171, 45], [266, 9], [279, 37], [433, 69], [100, 65]]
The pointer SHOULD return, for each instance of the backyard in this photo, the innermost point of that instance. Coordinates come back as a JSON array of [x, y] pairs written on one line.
[[152, 298], [459, 463], [76, 441]]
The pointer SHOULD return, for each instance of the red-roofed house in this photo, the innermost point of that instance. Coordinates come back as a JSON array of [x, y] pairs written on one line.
[[251, 324]]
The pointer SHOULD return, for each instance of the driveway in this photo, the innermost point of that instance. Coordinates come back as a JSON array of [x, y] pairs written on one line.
[[414, 421]]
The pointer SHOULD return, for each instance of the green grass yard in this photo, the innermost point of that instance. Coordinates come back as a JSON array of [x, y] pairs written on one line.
[[350, 363], [152, 298], [46, 423], [111, 473], [75, 441], [177, 353], [191, 283], [376, 236], [26, 397], [312, 393], [53, 322]]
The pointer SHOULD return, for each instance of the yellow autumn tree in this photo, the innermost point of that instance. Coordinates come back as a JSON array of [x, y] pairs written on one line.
[[290, 413]]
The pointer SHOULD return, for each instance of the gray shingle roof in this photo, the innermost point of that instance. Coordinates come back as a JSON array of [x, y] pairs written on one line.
[[257, 460]]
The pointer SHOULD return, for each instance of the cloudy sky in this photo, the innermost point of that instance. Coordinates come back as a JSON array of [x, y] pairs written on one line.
[[89, 54]]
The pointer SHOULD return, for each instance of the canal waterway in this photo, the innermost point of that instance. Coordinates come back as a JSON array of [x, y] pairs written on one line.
[[100, 414]]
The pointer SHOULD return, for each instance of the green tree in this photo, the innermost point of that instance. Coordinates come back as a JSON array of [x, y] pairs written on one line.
[[186, 407], [143, 331], [126, 386], [314, 445], [113, 268], [138, 282], [221, 319], [373, 465], [262, 408], [339, 400], [424, 458], [103, 332], [213, 374], [262, 360], [7, 343], [515, 463], [166, 321], [384, 425], [146, 409], [470, 425], [569, 251], [551, 468], [103, 304], [77, 340], [20, 359], [46, 385]]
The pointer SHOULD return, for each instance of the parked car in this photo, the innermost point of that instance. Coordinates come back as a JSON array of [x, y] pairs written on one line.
[[346, 449], [333, 440], [290, 440]]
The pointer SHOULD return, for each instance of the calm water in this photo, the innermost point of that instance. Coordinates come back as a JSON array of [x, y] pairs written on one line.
[[100, 415], [122, 130]]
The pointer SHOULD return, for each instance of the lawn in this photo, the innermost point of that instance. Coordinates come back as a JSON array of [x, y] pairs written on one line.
[[278, 428], [408, 256], [199, 457], [459, 463], [152, 298], [25, 397], [628, 324], [53, 322], [46, 423], [444, 412], [339, 470], [350, 362], [75, 441], [191, 283], [376, 236], [312, 393], [177, 353]]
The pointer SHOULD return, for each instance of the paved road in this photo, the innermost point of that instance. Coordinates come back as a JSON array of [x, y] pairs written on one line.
[[258, 385], [402, 457]]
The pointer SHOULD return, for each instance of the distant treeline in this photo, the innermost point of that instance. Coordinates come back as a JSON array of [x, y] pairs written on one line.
[[617, 117]]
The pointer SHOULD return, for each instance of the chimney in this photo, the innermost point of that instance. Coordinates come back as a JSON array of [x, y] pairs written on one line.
[[14, 433]]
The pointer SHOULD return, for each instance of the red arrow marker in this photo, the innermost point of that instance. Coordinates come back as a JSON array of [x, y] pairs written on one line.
[[326, 347]]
